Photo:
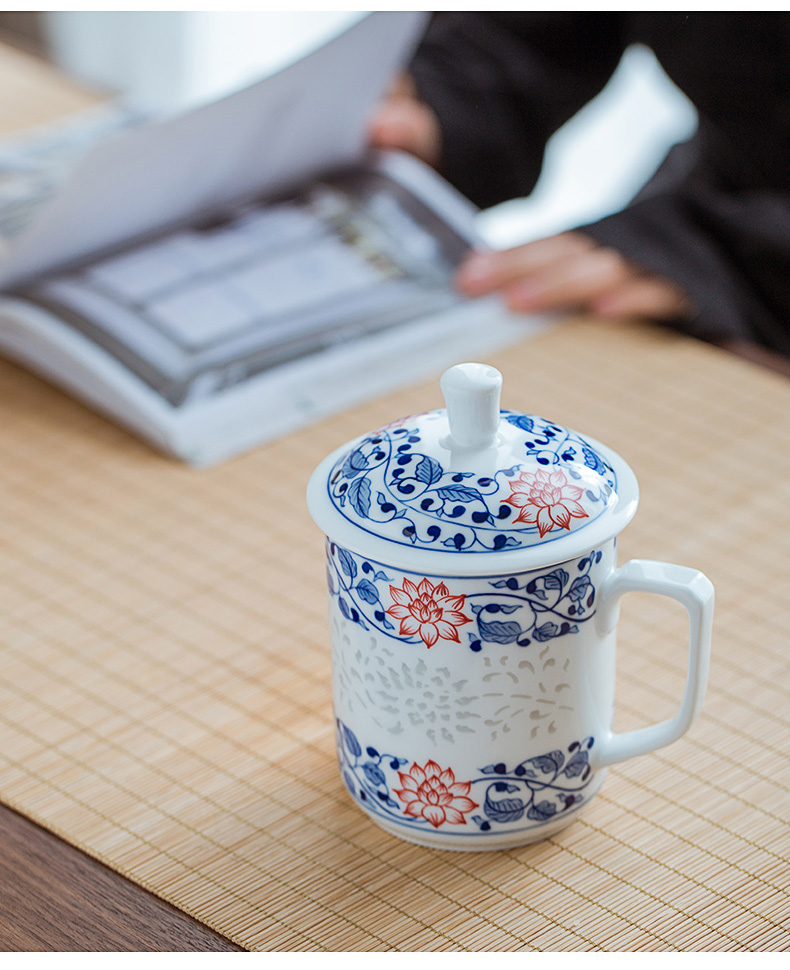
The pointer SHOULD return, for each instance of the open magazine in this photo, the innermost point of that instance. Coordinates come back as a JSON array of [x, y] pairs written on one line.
[[224, 277]]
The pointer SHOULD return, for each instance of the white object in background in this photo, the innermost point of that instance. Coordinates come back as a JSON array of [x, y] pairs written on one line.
[[164, 62], [474, 598], [599, 160]]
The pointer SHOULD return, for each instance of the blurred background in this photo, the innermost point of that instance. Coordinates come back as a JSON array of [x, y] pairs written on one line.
[[166, 62]]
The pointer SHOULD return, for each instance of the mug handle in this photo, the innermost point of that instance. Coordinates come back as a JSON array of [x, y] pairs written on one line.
[[695, 591]]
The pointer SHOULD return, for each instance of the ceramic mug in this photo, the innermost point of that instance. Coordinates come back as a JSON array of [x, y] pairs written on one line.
[[473, 696], [493, 727]]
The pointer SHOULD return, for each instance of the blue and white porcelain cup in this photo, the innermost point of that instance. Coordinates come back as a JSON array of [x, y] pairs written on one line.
[[474, 591]]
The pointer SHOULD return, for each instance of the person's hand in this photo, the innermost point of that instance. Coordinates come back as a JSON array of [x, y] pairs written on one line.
[[571, 272], [402, 122]]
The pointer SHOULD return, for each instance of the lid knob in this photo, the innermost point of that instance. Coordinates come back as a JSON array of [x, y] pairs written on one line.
[[471, 393]]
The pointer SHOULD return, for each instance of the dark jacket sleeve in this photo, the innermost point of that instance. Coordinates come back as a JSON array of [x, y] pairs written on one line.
[[720, 235], [501, 84], [715, 218]]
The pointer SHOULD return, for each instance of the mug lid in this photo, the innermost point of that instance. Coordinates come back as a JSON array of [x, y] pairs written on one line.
[[470, 488]]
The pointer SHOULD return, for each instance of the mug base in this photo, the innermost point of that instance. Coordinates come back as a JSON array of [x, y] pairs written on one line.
[[478, 841]]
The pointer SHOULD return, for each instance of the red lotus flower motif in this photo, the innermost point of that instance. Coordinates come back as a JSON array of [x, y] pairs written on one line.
[[434, 794], [428, 610], [546, 499]]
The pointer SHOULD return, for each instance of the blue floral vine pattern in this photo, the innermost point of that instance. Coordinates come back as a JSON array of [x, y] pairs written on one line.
[[355, 583], [428, 796], [388, 487], [536, 608], [548, 606], [537, 789]]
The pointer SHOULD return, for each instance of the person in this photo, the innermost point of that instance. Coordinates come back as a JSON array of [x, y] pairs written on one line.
[[704, 246]]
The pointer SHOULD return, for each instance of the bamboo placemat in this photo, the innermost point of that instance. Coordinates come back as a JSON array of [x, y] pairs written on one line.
[[34, 93], [165, 684]]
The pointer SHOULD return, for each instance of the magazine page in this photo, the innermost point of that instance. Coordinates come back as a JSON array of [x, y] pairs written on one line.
[[203, 309], [306, 119], [37, 162]]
